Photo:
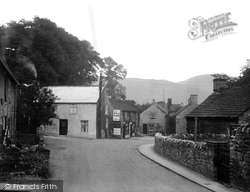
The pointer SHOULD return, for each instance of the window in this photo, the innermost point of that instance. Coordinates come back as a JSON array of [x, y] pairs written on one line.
[[84, 126], [151, 127], [132, 117], [106, 109], [72, 110], [126, 116], [152, 115]]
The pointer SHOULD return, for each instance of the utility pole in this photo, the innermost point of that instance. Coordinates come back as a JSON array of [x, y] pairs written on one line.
[[99, 129]]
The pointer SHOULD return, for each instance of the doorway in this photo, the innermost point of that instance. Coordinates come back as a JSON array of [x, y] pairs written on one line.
[[63, 127], [145, 129]]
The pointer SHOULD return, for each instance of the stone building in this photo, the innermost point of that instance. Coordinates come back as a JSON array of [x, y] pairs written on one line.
[[153, 119], [123, 116], [8, 97], [181, 124], [76, 112], [225, 106]]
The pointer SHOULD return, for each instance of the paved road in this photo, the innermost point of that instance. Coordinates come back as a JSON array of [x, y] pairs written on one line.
[[111, 166]]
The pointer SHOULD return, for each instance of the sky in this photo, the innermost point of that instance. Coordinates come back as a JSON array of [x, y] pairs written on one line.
[[149, 37]]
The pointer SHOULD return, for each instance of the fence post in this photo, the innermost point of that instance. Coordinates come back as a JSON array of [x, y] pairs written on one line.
[[195, 128]]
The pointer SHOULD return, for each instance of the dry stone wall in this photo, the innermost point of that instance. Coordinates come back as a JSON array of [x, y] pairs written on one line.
[[240, 162], [197, 156]]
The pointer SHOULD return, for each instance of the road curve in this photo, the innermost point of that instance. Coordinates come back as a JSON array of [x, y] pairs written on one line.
[[112, 165]]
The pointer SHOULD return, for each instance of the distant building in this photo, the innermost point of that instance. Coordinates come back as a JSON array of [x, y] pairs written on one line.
[[123, 118], [153, 119], [225, 106], [8, 102], [181, 124], [169, 106]]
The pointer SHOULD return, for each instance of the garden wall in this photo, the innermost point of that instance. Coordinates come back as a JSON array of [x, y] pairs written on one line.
[[240, 161], [199, 156]]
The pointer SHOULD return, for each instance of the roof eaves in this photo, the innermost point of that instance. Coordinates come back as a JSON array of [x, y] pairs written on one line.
[[75, 102], [162, 110], [8, 70], [182, 109]]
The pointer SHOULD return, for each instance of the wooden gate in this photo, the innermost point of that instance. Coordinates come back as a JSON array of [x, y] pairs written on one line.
[[223, 162]]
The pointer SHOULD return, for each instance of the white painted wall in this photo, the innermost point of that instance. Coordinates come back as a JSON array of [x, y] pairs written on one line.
[[84, 112]]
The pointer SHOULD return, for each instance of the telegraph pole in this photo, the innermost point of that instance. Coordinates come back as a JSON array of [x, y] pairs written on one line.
[[99, 131]]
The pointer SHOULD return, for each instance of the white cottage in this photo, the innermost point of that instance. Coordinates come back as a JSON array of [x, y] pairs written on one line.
[[76, 112]]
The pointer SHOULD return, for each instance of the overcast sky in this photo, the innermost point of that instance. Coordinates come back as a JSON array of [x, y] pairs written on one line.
[[149, 37]]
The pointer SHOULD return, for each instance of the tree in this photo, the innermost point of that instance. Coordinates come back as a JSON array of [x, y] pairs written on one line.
[[244, 78], [55, 56], [113, 72], [35, 107], [230, 80], [41, 54]]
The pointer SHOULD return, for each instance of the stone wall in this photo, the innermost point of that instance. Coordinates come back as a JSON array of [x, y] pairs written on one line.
[[211, 125], [198, 156], [181, 123], [202, 157], [240, 161]]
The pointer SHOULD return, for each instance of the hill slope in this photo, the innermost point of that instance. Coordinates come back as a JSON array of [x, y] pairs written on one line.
[[145, 90]]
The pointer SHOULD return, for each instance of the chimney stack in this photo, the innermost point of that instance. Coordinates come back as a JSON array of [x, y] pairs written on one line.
[[169, 103], [153, 102], [193, 99], [220, 84]]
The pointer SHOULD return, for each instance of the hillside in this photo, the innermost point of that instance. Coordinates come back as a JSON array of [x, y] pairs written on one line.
[[145, 90]]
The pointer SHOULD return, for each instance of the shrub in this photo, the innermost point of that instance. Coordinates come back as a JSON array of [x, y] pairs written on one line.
[[30, 163]]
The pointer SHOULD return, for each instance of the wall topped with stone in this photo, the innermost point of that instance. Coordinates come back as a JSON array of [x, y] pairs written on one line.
[[206, 157], [240, 159], [197, 156]]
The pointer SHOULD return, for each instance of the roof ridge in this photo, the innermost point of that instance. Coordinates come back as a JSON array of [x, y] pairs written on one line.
[[163, 110]]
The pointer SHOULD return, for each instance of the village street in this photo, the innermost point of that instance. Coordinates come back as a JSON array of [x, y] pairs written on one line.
[[111, 165]]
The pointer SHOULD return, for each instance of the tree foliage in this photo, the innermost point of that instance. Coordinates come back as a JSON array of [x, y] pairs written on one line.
[[39, 51], [57, 57], [35, 106], [113, 72], [242, 80]]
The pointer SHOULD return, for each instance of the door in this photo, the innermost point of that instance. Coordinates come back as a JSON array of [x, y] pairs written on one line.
[[145, 129], [223, 162], [63, 127]]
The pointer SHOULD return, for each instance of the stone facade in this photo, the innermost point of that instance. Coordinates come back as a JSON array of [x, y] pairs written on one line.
[[216, 125], [153, 119], [240, 161], [181, 123], [198, 156], [207, 157], [210, 125]]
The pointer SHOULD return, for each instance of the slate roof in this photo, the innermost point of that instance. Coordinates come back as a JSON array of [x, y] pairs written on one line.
[[181, 109], [123, 105], [230, 103], [161, 109], [76, 94]]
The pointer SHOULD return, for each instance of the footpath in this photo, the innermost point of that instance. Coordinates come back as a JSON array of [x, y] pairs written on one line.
[[148, 151]]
